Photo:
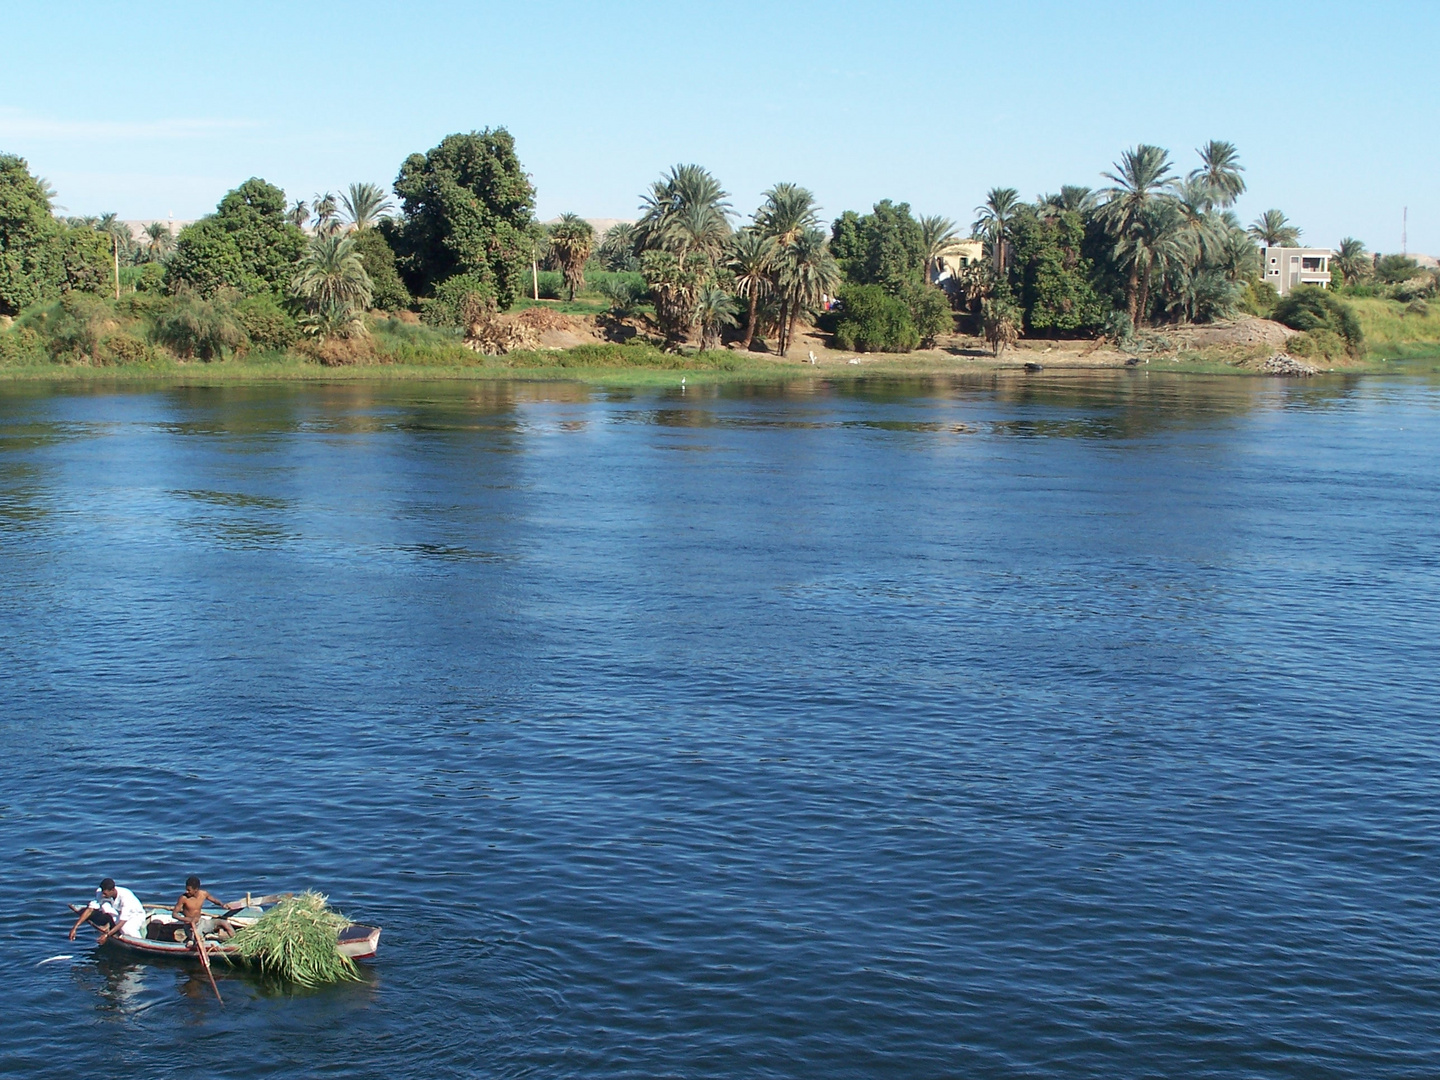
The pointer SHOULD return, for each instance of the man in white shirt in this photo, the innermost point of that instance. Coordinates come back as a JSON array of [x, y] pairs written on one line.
[[115, 910]]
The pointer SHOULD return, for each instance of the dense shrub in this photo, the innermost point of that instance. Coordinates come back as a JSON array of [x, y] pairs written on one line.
[[930, 312], [21, 345], [1259, 299], [1318, 344], [457, 301], [145, 278], [873, 320], [267, 325], [388, 292], [1311, 308], [195, 327]]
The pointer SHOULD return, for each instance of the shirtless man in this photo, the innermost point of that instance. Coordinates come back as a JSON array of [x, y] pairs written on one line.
[[189, 906]]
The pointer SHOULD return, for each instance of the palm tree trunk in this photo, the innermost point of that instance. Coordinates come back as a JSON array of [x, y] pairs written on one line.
[[750, 322], [784, 341], [1132, 293], [1144, 299]]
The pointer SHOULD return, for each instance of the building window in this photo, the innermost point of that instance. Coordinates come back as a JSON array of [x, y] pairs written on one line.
[[1311, 264]]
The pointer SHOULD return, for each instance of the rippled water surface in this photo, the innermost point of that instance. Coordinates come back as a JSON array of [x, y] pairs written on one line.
[[1051, 728]]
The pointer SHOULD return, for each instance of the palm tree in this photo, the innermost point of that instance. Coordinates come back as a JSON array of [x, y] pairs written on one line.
[[572, 239], [365, 204], [333, 285], [807, 273], [752, 255], [1273, 229], [788, 210], [158, 240], [1238, 259], [701, 228], [1140, 179], [1352, 260], [714, 309], [327, 214], [1219, 172], [298, 214], [939, 237], [617, 247], [1155, 244], [994, 220], [686, 191]]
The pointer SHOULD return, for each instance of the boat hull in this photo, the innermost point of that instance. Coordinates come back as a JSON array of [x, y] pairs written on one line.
[[357, 941]]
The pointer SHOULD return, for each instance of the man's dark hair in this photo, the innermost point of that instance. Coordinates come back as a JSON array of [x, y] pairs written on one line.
[[108, 883], [192, 882]]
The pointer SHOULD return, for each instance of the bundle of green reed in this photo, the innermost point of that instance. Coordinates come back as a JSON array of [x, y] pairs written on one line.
[[296, 940]]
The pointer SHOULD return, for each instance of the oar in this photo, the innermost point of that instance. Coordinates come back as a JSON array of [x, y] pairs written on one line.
[[205, 963]]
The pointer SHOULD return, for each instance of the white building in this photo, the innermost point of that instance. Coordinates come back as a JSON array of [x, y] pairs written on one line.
[[1285, 267]]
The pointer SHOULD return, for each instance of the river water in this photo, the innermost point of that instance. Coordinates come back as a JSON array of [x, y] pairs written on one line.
[[1050, 727]]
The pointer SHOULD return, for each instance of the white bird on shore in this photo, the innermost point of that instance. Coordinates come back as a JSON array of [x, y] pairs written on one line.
[[812, 356], [682, 384]]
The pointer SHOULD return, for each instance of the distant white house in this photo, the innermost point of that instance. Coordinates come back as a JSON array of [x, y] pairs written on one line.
[[962, 254], [1285, 268]]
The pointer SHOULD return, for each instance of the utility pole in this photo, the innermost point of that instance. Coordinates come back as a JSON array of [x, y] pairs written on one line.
[[1405, 231], [115, 241]]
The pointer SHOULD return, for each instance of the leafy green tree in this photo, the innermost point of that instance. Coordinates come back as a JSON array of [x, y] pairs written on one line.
[[930, 311], [993, 223], [248, 245], [885, 247], [1136, 218], [1273, 229], [1054, 278], [1353, 261], [389, 293], [466, 208], [1393, 269], [752, 255], [365, 204], [27, 232], [572, 238], [1219, 173]]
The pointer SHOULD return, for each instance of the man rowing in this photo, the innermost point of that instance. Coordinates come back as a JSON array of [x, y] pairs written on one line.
[[189, 908], [115, 910]]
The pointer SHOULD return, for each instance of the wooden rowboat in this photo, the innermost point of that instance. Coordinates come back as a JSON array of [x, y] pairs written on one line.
[[357, 941]]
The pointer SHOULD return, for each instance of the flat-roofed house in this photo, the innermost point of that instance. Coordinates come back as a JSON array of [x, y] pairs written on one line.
[[961, 254], [1284, 268]]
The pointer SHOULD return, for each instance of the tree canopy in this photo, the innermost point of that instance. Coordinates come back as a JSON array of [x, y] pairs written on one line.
[[41, 257], [249, 244], [466, 208], [885, 247]]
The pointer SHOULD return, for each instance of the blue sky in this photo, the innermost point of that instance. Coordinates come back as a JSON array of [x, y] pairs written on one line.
[[159, 108]]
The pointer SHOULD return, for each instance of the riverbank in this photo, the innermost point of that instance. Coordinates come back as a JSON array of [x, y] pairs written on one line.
[[406, 353]]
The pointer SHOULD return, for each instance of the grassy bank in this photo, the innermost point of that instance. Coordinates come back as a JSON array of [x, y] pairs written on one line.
[[1395, 330]]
